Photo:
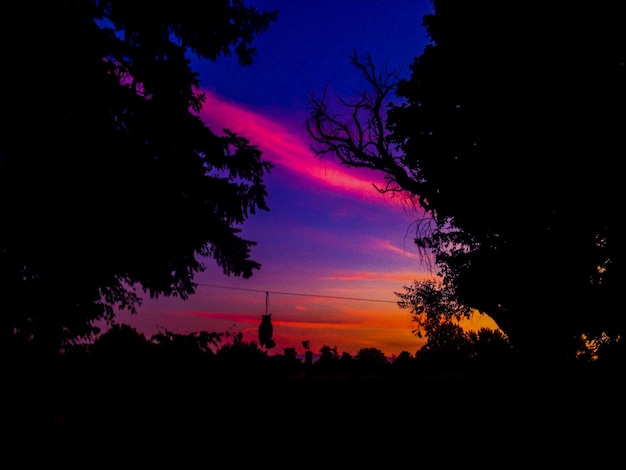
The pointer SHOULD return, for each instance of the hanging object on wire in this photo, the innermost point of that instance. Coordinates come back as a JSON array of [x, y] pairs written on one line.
[[266, 330]]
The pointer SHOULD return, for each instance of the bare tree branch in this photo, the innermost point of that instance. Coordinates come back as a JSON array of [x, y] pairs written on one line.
[[356, 134]]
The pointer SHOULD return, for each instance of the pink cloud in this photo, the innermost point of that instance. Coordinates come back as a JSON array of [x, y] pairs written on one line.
[[387, 246], [286, 148], [406, 277]]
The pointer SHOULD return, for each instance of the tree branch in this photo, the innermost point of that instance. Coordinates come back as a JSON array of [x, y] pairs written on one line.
[[356, 134]]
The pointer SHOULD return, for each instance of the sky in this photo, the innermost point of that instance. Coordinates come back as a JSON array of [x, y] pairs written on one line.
[[333, 251]]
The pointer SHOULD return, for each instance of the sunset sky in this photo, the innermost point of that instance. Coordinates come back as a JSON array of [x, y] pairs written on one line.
[[332, 249]]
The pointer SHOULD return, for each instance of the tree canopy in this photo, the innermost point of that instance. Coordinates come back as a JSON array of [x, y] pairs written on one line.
[[109, 180], [509, 134]]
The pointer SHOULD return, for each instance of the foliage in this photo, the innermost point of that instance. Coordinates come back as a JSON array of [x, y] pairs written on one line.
[[290, 354], [123, 341], [402, 357], [371, 360], [446, 338], [484, 139], [404, 364], [196, 344], [109, 181], [490, 345], [328, 354], [450, 349], [431, 303], [328, 361], [371, 356], [475, 152], [242, 356]]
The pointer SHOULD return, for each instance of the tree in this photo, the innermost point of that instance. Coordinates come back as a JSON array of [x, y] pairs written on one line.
[[355, 131], [328, 354], [198, 344], [109, 181], [328, 361], [291, 354], [404, 364], [371, 359], [242, 357], [447, 345], [436, 314], [490, 349], [484, 139], [121, 341], [431, 303]]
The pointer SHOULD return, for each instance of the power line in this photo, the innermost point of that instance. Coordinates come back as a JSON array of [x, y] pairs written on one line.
[[298, 294]]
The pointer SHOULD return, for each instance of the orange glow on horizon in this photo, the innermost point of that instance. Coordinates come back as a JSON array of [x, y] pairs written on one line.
[[349, 329]]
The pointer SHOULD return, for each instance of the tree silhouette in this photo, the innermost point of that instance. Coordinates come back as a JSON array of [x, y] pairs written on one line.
[[328, 354], [328, 361], [431, 303], [242, 357], [109, 180], [447, 348], [186, 346], [404, 364], [122, 341], [490, 350], [290, 354], [485, 138], [371, 360]]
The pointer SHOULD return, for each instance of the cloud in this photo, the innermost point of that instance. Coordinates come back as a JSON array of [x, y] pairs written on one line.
[[286, 148], [388, 247], [378, 276]]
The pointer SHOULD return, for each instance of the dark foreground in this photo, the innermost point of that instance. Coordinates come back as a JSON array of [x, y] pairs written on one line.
[[329, 421]]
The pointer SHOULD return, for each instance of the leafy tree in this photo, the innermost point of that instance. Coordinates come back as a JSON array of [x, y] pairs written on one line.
[[404, 364], [447, 338], [287, 363], [242, 357], [346, 361], [196, 344], [328, 354], [370, 359], [447, 350], [328, 361], [291, 354], [489, 345], [346, 356], [436, 313], [484, 140], [431, 303], [404, 356], [109, 180], [121, 355], [123, 341]]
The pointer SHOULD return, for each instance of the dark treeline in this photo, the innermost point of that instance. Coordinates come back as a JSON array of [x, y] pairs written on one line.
[[218, 386], [122, 352]]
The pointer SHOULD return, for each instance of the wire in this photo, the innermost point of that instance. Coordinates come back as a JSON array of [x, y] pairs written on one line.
[[298, 294]]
